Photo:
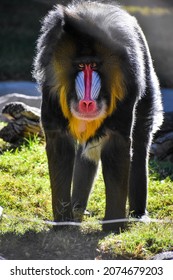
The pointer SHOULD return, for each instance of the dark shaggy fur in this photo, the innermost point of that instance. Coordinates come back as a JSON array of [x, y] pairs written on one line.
[[123, 138]]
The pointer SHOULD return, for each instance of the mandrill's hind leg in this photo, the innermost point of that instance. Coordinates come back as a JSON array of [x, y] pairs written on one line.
[[142, 136], [84, 173]]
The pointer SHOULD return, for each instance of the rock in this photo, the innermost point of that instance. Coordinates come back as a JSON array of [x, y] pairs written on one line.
[[1, 258], [162, 147], [23, 121], [17, 110], [164, 256], [33, 101]]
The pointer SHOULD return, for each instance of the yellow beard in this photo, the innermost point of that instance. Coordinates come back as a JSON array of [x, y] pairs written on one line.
[[83, 130]]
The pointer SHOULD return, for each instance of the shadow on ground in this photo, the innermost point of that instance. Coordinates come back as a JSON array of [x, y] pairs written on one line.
[[51, 245]]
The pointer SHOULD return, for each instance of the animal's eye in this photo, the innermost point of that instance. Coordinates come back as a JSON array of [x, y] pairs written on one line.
[[81, 66], [93, 65]]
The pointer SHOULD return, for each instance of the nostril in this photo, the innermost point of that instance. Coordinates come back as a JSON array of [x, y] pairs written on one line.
[[90, 104], [87, 106]]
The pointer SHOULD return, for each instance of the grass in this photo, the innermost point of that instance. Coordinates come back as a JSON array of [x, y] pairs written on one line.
[[24, 188], [26, 199]]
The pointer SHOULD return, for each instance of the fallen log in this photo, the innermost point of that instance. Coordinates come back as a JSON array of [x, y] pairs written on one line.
[[23, 122]]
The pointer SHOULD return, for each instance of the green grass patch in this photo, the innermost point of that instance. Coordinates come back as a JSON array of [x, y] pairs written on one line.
[[26, 198], [141, 241], [24, 187]]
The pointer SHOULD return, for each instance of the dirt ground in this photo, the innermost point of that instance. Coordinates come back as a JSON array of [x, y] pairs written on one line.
[[62, 245]]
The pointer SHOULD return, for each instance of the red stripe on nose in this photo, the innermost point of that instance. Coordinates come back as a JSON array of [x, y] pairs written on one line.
[[88, 82]]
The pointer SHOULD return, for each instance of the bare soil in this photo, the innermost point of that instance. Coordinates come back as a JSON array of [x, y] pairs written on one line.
[[68, 244]]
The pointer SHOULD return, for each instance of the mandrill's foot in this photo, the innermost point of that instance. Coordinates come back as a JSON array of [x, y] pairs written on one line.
[[62, 224], [79, 212], [116, 227], [63, 220], [144, 217]]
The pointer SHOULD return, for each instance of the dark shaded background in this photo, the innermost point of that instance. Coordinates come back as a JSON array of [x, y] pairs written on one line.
[[20, 24]]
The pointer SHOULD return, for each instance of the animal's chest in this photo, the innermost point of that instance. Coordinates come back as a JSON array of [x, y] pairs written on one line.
[[92, 150]]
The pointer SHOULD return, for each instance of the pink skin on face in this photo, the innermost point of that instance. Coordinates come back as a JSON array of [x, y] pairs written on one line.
[[87, 104]]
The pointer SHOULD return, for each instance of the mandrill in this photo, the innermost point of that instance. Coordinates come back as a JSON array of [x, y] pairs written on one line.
[[101, 101]]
